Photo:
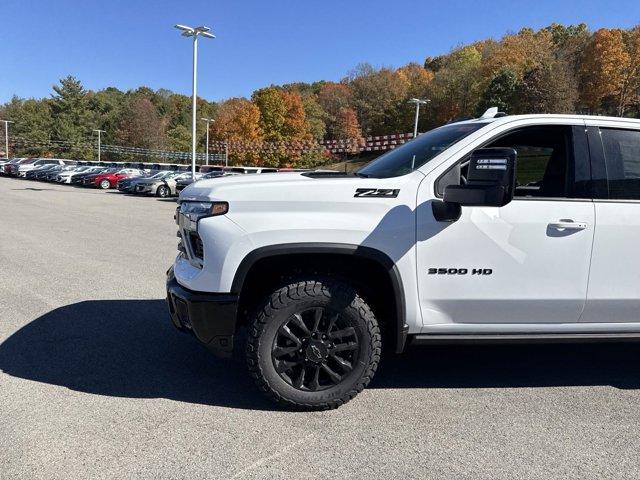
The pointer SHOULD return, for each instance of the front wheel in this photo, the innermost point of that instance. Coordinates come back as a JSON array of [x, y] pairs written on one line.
[[313, 345], [163, 191], [105, 184]]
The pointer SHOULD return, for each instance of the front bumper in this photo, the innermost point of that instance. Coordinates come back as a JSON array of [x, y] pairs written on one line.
[[211, 317], [144, 189]]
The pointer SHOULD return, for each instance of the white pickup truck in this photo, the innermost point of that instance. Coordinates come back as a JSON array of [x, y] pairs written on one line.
[[502, 228]]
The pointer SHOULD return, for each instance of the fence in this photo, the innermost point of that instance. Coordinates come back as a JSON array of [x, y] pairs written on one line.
[[379, 143]]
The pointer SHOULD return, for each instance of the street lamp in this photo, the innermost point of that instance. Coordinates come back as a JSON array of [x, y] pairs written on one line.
[[418, 102], [195, 33], [99, 140], [208, 120], [6, 137]]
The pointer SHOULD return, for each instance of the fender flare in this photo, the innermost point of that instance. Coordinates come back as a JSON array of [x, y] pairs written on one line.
[[335, 249]]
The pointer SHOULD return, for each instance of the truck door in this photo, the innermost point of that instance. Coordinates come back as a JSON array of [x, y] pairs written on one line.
[[614, 281], [525, 264]]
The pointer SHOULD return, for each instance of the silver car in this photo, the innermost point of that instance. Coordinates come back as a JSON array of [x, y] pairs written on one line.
[[161, 187]]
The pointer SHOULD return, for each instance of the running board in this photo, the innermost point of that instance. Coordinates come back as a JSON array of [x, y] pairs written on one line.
[[436, 338]]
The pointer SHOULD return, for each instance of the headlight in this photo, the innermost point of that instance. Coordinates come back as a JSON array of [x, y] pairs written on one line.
[[197, 210]]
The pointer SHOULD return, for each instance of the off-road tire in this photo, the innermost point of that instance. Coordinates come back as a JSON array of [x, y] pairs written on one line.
[[277, 309]]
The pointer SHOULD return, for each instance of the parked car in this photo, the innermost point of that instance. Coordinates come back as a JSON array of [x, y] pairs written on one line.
[[109, 179], [11, 168], [25, 167], [127, 185], [68, 175], [79, 179], [161, 187], [34, 173], [185, 182], [5, 161], [52, 175]]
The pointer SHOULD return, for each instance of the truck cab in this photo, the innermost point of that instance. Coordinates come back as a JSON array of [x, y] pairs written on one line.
[[500, 228]]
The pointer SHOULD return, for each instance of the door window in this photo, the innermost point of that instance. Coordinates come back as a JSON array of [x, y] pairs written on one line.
[[545, 162], [622, 157]]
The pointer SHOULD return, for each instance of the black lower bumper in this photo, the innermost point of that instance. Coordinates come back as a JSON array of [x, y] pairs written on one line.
[[211, 317]]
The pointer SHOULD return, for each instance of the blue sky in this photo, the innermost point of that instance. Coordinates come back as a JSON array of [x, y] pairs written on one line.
[[128, 43]]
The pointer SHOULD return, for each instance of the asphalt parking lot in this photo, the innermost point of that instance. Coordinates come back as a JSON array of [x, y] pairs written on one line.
[[94, 381]]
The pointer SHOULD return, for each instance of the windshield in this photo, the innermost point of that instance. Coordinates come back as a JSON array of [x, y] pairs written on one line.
[[416, 153]]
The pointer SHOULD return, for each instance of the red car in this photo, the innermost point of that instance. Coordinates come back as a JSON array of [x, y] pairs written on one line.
[[11, 168], [110, 179]]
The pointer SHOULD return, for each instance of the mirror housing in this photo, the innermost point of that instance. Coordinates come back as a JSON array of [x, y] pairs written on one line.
[[490, 182]]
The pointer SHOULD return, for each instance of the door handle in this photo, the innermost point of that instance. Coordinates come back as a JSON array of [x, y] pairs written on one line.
[[567, 224]]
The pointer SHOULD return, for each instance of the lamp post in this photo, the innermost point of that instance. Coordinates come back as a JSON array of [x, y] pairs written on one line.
[[418, 102], [6, 137], [206, 156], [195, 33], [99, 140]]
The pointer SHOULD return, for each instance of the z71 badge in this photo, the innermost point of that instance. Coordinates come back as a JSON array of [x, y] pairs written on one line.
[[377, 192]]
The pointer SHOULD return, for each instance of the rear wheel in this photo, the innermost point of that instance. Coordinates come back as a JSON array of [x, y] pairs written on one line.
[[163, 191], [313, 345], [105, 184]]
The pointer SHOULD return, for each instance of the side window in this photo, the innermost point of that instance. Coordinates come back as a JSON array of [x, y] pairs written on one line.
[[545, 166], [543, 160], [622, 158]]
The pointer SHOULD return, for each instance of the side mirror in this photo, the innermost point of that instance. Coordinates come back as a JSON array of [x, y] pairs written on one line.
[[490, 183]]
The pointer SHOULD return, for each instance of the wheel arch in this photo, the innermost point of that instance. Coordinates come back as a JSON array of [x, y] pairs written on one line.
[[340, 251]]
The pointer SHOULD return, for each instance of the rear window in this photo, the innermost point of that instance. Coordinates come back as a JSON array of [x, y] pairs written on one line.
[[622, 156]]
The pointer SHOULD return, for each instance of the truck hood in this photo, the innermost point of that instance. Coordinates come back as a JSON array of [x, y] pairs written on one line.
[[257, 186], [251, 190]]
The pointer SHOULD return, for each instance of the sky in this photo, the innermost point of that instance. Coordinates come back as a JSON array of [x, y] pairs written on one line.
[[130, 43]]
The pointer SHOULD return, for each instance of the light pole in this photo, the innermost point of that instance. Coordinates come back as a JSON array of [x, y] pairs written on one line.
[[99, 140], [195, 33], [206, 156], [418, 102], [6, 137]]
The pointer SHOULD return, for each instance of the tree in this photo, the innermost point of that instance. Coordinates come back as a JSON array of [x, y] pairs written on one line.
[[519, 53], [237, 119], [31, 130], [549, 88], [457, 85], [295, 125], [332, 98], [273, 112], [602, 72], [500, 93], [630, 86], [347, 126], [179, 138], [316, 116], [417, 78], [142, 126], [72, 118], [379, 95]]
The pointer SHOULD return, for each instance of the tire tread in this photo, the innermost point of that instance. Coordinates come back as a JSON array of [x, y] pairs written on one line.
[[280, 299]]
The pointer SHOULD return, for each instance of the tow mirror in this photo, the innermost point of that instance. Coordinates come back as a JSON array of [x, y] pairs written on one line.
[[490, 183]]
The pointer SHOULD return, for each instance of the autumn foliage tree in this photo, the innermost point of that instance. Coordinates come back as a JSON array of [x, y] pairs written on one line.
[[602, 72]]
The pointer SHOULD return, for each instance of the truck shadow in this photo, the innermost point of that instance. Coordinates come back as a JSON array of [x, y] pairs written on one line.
[[125, 348], [128, 348], [513, 366]]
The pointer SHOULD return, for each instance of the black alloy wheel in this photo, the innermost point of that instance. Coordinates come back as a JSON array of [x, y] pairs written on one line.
[[315, 349]]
